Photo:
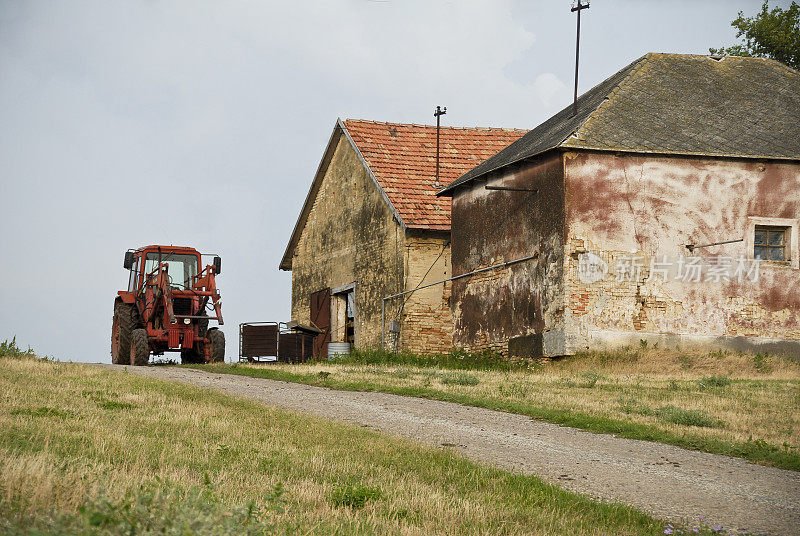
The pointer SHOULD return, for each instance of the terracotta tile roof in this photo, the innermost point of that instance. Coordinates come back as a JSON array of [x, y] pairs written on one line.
[[403, 159]]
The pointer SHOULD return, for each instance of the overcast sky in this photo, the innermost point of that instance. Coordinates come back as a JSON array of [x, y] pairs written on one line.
[[202, 123]]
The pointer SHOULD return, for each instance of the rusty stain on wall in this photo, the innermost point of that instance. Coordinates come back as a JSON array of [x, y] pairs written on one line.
[[650, 205], [491, 227]]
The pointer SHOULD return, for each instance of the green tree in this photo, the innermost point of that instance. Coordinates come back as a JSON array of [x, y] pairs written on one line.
[[772, 33]]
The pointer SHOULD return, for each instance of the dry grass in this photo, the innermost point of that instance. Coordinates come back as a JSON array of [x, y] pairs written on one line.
[[72, 436], [688, 364], [719, 396]]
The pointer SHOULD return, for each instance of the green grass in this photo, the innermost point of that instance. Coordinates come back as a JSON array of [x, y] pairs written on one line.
[[455, 359], [42, 411], [683, 425], [175, 459]]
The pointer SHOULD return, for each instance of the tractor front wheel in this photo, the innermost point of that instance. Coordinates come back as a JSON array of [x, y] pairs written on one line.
[[215, 347], [140, 348]]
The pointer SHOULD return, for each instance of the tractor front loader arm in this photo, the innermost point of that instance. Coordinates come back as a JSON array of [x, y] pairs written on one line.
[[158, 279], [206, 282], [166, 289]]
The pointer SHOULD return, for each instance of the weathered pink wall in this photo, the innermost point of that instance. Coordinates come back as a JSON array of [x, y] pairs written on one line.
[[623, 205]]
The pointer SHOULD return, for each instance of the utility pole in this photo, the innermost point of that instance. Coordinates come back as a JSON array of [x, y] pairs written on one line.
[[437, 114], [577, 8]]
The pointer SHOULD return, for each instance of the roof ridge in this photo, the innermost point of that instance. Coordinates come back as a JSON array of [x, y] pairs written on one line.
[[680, 54], [791, 70], [723, 57], [475, 128], [776, 63]]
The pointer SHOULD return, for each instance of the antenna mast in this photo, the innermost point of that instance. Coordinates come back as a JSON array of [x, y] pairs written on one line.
[[577, 8], [437, 114]]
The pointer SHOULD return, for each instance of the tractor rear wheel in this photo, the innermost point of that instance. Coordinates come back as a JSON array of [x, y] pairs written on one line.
[[215, 347], [140, 348], [121, 329]]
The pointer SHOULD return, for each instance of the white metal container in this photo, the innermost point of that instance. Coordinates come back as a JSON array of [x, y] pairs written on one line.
[[338, 348]]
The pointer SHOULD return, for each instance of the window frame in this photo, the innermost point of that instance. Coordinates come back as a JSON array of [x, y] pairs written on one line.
[[784, 245], [791, 239], [133, 278], [171, 256]]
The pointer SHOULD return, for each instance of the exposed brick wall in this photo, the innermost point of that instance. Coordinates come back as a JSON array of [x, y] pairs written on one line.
[[427, 322]]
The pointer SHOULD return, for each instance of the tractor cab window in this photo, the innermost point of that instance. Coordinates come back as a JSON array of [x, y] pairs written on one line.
[[133, 279], [181, 267]]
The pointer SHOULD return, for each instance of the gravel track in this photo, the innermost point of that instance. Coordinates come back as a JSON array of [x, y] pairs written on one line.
[[666, 481]]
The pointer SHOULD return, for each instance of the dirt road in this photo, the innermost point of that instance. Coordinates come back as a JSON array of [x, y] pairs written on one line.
[[666, 481]]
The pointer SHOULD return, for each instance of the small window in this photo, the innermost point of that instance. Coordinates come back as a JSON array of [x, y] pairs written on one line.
[[771, 243]]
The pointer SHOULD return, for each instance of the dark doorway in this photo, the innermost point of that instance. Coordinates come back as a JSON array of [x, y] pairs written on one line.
[[350, 318], [321, 318]]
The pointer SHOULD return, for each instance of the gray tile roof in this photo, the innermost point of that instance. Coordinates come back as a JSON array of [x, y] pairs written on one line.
[[674, 104]]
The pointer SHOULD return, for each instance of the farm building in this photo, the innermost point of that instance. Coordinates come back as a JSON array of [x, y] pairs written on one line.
[[618, 203], [372, 226]]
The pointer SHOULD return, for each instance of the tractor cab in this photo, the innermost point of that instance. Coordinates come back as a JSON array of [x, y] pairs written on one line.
[[183, 264]]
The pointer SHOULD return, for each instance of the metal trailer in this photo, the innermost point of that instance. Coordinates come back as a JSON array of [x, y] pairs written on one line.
[[287, 342]]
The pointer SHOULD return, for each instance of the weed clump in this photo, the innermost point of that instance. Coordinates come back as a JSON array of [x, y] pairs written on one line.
[[107, 400], [674, 385], [589, 378], [632, 406], [715, 381], [355, 495], [687, 417], [10, 349], [514, 390], [686, 361], [761, 365], [157, 509], [401, 373], [458, 378], [671, 414], [42, 411]]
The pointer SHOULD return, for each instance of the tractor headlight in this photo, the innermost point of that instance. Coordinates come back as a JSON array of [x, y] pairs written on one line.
[[187, 321]]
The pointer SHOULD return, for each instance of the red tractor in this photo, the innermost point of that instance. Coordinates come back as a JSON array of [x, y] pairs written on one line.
[[166, 307]]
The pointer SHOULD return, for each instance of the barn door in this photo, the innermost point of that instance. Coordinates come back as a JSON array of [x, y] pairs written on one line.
[[321, 317]]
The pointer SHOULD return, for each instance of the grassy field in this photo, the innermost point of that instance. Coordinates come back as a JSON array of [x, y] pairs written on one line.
[[723, 402], [85, 450]]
